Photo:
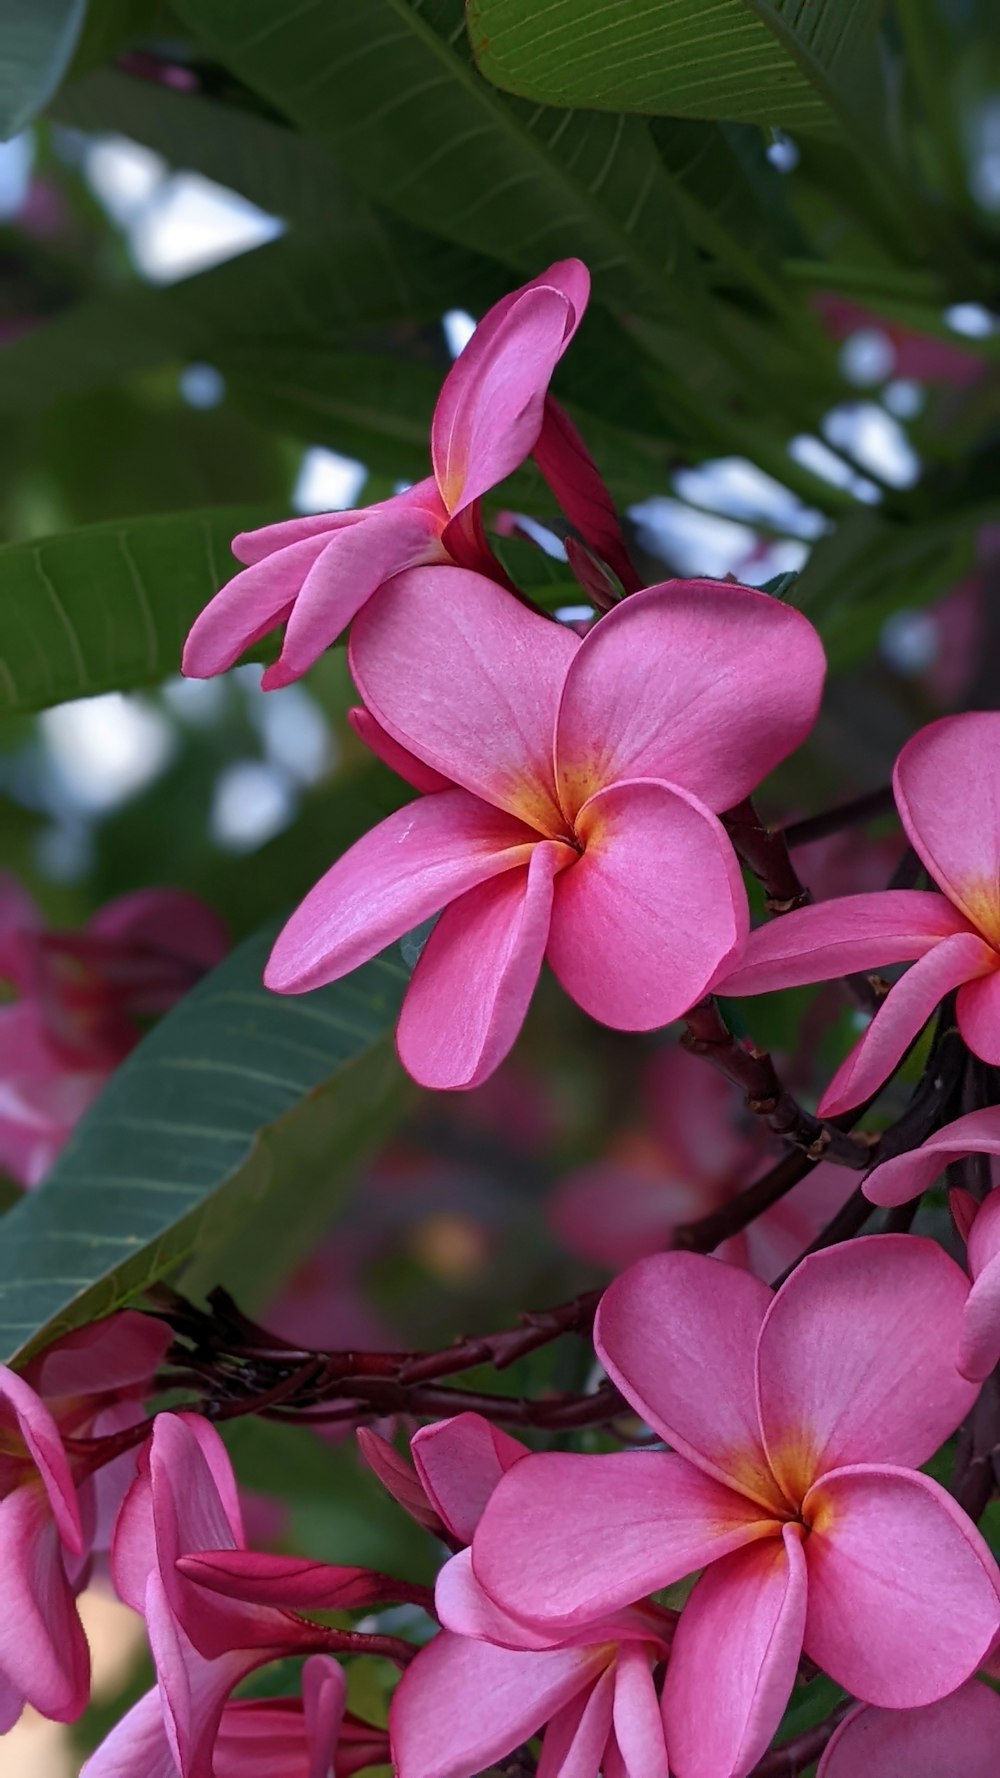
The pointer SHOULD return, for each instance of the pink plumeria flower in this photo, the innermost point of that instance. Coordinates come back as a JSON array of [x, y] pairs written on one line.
[[947, 788], [572, 790], [487, 1683], [81, 995], [908, 1175], [215, 1611], [314, 574], [959, 1734], [796, 1423], [56, 1503], [305, 1737], [696, 1153]]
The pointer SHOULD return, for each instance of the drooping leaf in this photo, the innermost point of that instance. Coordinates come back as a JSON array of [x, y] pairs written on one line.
[[37, 39], [774, 62], [230, 1129], [108, 607]]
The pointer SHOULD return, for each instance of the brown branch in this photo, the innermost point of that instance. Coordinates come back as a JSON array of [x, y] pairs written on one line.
[[732, 1217], [764, 851], [794, 1756], [559, 1413], [861, 809]]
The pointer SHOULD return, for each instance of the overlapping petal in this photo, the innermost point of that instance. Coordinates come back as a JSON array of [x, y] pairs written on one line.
[[398, 874], [566, 1539], [959, 1733], [677, 1333], [682, 682], [652, 909], [906, 1175], [734, 1658], [977, 1010], [956, 836], [856, 1359], [638, 1720], [460, 1461], [248, 606], [832, 938], [575, 1740], [979, 1346], [399, 759], [44, 1656], [903, 1602], [580, 492], [472, 986]]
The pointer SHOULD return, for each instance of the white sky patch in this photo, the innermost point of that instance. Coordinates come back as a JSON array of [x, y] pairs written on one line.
[[875, 440], [190, 224], [252, 802], [123, 175], [971, 320], [103, 750], [327, 481], [197, 702], [16, 159], [867, 356], [696, 543], [296, 735], [201, 385], [738, 488], [910, 641], [904, 398], [459, 327]]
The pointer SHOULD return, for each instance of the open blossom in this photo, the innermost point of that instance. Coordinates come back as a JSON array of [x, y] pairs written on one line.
[[697, 1153], [572, 790], [796, 1422], [907, 1175], [314, 574], [57, 1506], [80, 995], [215, 1611], [959, 1734], [947, 789], [487, 1683]]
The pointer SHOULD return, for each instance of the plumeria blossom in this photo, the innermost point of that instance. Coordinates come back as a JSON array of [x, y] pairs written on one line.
[[572, 790], [694, 1155], [960, 1733], [908, 1175], [214, 1610], [80, 997], [947, 789], [56, 1503], [487, 1683], [314, 574], [796, 1421]]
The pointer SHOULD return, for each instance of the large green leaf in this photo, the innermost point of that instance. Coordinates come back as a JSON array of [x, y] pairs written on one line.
[[108, 607], [37, 39], [787, 62], [229, 1131], [390, 90]]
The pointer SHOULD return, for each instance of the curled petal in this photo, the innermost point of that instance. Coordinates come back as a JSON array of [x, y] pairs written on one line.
[[651, 911], [398, 1478], [246, 608], [467, 678], [43, 1651], [905, 1176], [979, 1346], [638, 1721], [833, 938], [568, 1539], [136, 1745], [901, 1017], [926, 1743], [734, 1658], [399, 759], [978, 1012], [31, 1421], [462, 1605], [324, 1697], [677, 1333], [956, 833], [472, 986], [407, 868], [121, 1353], [856, 1359], [580, 492], [903, 1602], [250, 547], [575, 1740], [460, 1461], [693, 682]]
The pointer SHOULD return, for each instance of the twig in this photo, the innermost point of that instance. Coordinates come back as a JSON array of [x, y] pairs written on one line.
[[856, 813], [764, 851], [731, 1218], [795, 1755]]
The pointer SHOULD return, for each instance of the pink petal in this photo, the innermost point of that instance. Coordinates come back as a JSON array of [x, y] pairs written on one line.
[[137, 1746], [406, 765], [905, 1176], [193, 1690], [947, 786], [29, 1419], [464, 676], [901, 1017], [832, 938], [903, 1602], [489, 412], [411, 865], [927, 1743], [398, 1478], [43, 1651], [460, 1461], [462, 1705], [611, 1214], [782, 1234], [677, 1334], [286, 1583], [250, 547], [655, 906], [574, 1742], [578, 486], [464, 1607], [856, 1359], [472, 986], [734, 1658], [978, 1012], [638, 1721], [121, 1353], [172, 925], [979, 1346], [247, 607], [694, 682], [356, 562], [324, 1697], [568, 1539], [696, 1117]]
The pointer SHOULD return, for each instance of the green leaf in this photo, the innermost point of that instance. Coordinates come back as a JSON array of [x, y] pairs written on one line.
[[108, 607], [868, 568], [37, 39], [784, 62], [390, 90], [227, 1130]]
